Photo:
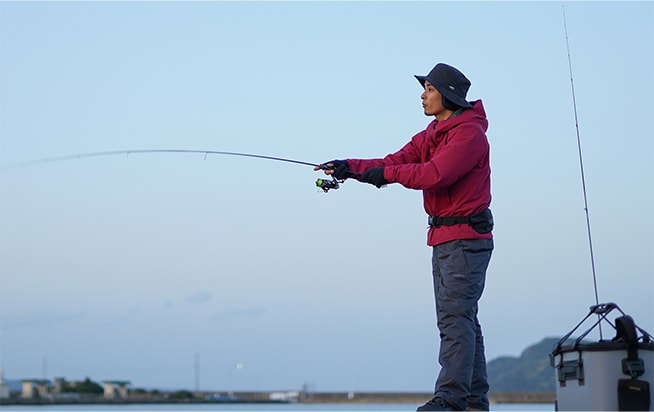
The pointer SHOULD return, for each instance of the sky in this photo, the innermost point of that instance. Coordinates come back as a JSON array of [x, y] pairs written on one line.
[[228, 273]]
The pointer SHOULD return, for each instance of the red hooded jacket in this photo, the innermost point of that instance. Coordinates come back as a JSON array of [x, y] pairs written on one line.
[[450, 162]]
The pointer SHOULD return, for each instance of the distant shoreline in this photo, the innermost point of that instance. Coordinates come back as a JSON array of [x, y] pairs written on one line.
[[263, 398]]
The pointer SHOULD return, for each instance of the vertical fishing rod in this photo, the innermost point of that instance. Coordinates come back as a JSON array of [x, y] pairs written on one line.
[[581, 164]]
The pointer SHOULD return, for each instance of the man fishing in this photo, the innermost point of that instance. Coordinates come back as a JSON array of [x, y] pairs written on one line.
[[449, 162]]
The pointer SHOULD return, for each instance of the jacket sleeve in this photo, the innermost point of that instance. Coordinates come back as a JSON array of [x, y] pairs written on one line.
[[407, 154], [455, 158]]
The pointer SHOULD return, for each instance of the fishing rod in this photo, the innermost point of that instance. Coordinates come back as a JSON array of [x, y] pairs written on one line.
[[581, 164], [325, 184]]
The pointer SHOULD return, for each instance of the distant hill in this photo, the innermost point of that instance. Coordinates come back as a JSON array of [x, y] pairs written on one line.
[[529, 372], [14, 385]]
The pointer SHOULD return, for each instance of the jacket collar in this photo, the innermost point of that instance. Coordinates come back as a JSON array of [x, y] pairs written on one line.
[[474, 114]]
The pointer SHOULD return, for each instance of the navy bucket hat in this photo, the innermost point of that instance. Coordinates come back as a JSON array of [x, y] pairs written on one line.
[[450, 82]]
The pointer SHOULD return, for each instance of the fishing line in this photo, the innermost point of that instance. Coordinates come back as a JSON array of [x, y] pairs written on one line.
[[581, 163], [324, 184]]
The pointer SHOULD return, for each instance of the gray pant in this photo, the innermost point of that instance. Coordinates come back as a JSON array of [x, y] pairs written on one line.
[[459, 269]]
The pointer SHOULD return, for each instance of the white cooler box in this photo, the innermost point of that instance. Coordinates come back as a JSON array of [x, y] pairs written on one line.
[[611, 375]]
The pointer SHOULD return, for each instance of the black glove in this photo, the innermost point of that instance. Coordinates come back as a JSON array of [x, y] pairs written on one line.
[[374, 176], [341, 169]]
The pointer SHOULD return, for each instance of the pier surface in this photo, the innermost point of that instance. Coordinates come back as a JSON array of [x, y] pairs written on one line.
[[265, 397]]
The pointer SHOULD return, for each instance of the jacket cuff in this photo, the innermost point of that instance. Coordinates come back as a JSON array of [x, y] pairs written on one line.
[[389, 174]]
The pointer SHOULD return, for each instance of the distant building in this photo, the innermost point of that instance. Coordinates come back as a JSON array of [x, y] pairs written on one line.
[[116, 389], [4, 387], [58, 385], [35, 388]]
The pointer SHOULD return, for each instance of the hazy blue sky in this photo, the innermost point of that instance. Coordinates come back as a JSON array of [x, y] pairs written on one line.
[[126, 267]]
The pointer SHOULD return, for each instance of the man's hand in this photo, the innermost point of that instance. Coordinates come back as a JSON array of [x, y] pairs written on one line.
[[374, 176], [337, 168]]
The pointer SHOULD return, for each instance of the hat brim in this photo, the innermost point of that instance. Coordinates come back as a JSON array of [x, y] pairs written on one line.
[[447, 93]]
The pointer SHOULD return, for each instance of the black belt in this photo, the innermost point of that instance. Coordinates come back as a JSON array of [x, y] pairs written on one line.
[[482, 222], [438, 221]]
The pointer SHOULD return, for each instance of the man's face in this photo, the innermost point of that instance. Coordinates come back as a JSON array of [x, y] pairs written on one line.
[[432, 103]]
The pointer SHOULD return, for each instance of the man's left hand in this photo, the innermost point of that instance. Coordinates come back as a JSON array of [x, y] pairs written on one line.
[[374, 176]]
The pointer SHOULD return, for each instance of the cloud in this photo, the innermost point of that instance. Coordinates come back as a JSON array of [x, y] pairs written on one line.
[[199, 298]]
